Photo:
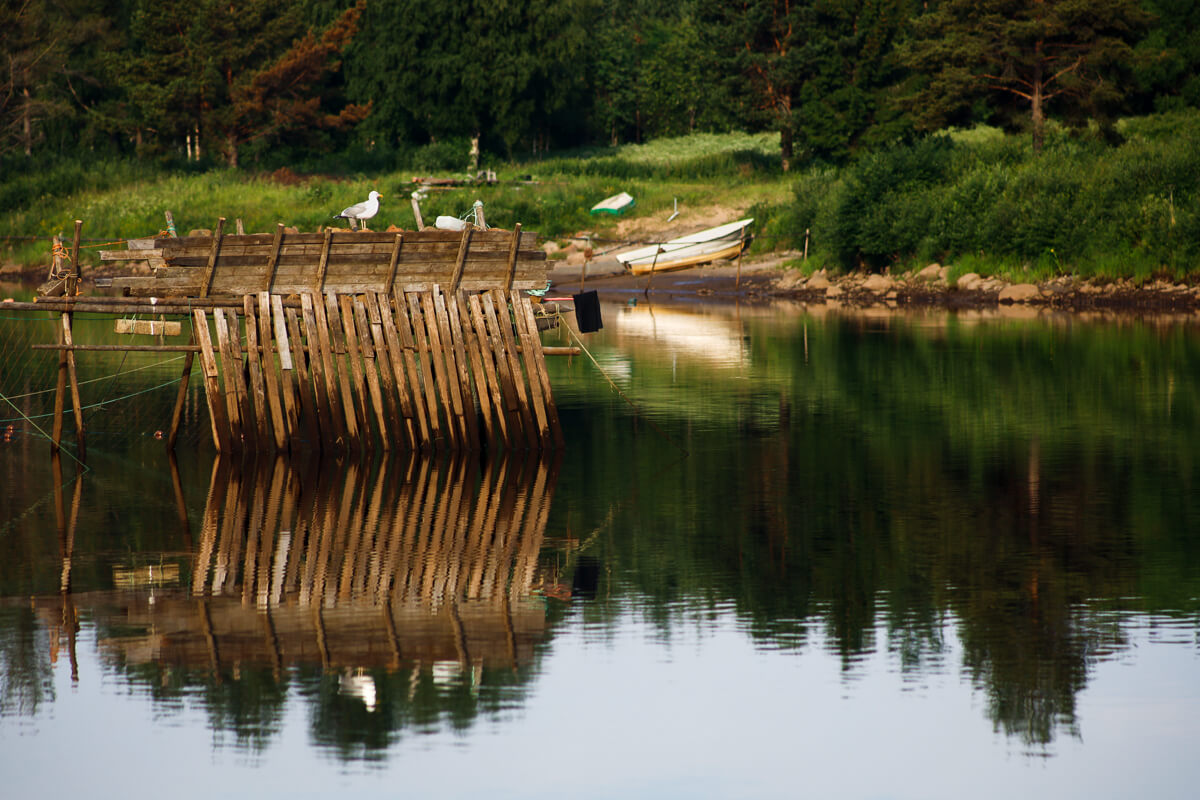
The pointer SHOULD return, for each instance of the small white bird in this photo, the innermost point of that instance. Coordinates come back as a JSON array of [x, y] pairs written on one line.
[[361, 211]]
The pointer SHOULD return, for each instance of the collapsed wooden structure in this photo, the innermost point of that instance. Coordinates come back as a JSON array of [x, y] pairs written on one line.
[[419, 339]]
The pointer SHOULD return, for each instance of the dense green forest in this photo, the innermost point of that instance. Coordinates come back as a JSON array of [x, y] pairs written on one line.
[[1052, 136], [265, 82]]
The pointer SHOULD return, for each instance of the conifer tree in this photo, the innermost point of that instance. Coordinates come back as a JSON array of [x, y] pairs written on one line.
[[1065, 55]]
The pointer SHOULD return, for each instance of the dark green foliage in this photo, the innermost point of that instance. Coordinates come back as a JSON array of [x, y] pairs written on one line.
[[1167, 64], [1082, 206], [1061, 58]]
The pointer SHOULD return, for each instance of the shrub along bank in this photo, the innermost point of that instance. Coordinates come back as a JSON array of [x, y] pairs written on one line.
[[984, 202]]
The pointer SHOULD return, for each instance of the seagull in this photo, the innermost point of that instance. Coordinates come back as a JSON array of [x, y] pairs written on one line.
[[361, 211]]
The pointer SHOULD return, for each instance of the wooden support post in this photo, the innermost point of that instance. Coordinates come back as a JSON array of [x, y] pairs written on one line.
[[487, 359], [417, 322], [208, 362], [231, 376], [374, 363], [460, 322], [404, 362], [460, 264], [170, 224], [333, 328], [305, 378], [393, 264], [503, 324], [181, 395], [60, 395], [73, 377], [737, 282], [442, 375], [416, 207], [76, 273], [320, 361], [464, 409], [270, 305], [255, 362], [206, 285], [239, 227], [384, 363], [530, 357], [273, 259], [448, 311], [524, 306], [513, 248], [323, 264]]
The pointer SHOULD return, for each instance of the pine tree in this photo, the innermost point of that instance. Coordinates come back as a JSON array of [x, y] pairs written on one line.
[[1069, 53]]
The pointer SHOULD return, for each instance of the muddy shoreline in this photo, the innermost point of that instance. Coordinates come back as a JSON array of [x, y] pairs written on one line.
[[764, 281]]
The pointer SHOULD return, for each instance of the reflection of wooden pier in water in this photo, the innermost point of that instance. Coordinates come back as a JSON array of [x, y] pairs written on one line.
[[415, 561], [407, 340]]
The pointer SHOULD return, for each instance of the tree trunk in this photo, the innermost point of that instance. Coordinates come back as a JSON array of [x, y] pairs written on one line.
[[785, 145], [1037, 103], [27, 123]]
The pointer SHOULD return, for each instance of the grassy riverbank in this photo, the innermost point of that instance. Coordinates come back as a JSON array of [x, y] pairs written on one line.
[[978, 200]]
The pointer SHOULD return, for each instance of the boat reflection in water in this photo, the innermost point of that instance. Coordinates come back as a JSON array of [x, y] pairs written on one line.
[[399, 585]]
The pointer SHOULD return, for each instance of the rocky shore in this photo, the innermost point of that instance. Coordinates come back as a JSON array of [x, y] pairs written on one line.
[[930, 287]]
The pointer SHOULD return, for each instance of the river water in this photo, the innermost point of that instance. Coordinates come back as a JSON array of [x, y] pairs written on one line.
[[784, 554]]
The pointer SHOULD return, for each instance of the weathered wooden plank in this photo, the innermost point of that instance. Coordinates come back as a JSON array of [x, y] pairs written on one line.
[[512, 403], [383, 363], [460, 261], [452, 330], [394, 262], [510, 274], [283, 347], [404, 362], [212, 258], [530, 357], [130, 255], [231, 374], [305, 381], [417, 322], [442, 375], [257, 388], [487, 360], [460, 320], [373, 365], [510, 351], [354, 357], [276, 247], [525, 306], [147, 327], [332, 428], [323, 263], [331, 327], [426, 236], [270, 371]]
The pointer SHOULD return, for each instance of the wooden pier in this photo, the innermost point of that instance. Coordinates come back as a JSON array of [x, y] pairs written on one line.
[[418, 340]]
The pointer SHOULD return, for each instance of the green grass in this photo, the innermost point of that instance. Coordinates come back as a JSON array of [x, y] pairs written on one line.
[[978, 200]]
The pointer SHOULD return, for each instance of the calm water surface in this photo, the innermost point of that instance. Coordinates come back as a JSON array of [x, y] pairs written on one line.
[[783, 555]]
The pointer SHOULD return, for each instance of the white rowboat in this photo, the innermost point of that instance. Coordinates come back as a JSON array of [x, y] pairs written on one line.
[[723, 241]]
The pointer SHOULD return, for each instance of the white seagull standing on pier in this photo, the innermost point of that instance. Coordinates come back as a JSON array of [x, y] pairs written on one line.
[[361, 211]]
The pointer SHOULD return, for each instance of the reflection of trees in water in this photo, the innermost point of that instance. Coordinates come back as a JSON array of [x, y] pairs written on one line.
[[399, 593], [26, 669], [995, 481]]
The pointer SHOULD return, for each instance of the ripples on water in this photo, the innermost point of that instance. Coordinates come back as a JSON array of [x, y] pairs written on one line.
[[927, 557]]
